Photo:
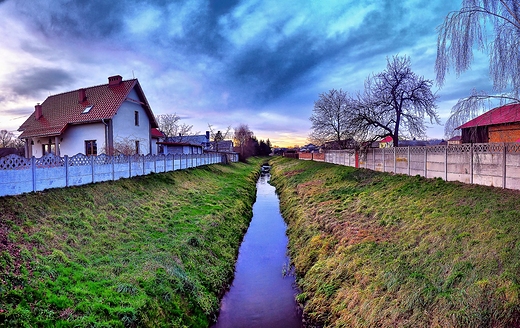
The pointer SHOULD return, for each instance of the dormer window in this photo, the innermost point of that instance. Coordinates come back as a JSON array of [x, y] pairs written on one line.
[[87, 109]]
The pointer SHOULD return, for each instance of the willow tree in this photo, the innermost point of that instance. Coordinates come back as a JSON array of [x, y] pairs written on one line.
[[493, 28]]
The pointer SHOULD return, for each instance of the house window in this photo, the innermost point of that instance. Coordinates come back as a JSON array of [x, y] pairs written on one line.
[[137, 146], [49, 148], [90, 147], [136, 118], [87, 109]]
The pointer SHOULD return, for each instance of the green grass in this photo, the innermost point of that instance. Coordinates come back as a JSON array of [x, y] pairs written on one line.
[[150, 251], [379, 250]]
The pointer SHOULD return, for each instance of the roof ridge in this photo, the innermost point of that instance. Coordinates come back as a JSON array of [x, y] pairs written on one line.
[[92, 87]]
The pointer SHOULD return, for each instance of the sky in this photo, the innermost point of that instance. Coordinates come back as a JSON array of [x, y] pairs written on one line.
[[257, 62]]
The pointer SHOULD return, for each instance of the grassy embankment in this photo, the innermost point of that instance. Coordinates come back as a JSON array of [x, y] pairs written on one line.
[[149, 251], [380, 250]]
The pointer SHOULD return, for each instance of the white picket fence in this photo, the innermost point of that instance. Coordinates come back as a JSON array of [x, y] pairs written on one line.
[[20, 175]]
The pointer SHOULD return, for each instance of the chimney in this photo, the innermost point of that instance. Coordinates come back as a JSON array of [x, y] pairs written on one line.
[[82, 95], [38, 111], [207, 135], [114, 80]]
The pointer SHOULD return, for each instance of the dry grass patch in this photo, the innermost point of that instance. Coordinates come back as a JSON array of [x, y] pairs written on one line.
[[379, 250]]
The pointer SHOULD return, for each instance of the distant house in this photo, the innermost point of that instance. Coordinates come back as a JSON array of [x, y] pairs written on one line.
[[422, 143], [501, 124], [110, 118], [310, 148], [342, 144], [179, 148], [224, 146], [386, 142], [195, 144], [457, 140]]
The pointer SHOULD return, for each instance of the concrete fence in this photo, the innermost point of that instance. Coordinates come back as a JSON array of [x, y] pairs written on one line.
[[490, 164], [20, 175]]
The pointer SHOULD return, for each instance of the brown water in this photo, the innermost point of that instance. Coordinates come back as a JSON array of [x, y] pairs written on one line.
[[261, 295]]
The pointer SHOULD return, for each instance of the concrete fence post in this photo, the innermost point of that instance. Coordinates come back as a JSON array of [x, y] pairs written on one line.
[[446, 163], [93, 171], [471, 163], [384, 160], [504, 165], [113, 159], [129, 166], [66, 163], [425, 161], [408, 160], [395, 159], [33, 169]]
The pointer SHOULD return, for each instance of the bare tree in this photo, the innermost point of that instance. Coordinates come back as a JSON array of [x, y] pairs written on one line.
[[395, 103], [6, 139], [489, 26], [218, 136], [242, 138], [242, 134], [128, 146], [170, 126], [331, 117]]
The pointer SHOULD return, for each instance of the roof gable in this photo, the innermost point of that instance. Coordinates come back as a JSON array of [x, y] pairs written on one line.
[[156, 133], [499, 115], [69, 108], [191, 139]]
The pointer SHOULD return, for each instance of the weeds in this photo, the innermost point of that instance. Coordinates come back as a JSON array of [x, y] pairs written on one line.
[[149, 251], [379, 250]]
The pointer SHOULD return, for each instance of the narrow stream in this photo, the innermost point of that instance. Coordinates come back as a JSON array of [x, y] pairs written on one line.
[[260, 295]]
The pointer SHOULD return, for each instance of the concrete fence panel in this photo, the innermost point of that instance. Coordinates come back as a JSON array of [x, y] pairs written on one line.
[[20, 175], [491, 164], [50, 171], [19, 182]]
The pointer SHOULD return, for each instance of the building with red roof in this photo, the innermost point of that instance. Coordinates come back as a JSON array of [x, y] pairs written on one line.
[[501, 124], [111, 118], [386, 142]]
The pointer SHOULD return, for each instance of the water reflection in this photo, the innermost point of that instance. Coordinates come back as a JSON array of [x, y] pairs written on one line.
[[260, 295]]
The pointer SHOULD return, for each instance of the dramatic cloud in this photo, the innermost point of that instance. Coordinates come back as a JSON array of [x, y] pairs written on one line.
[[35, 80], [262, 63]]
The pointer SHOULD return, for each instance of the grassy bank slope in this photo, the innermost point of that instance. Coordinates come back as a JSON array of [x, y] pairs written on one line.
[[149, 251], [379, 250]]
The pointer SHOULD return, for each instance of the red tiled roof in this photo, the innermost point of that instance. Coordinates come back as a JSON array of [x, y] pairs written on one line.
[[64, 109], [500, 115], [157, 134]]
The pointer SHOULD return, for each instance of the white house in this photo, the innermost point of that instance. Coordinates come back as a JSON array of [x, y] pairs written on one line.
[[110, 118]]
